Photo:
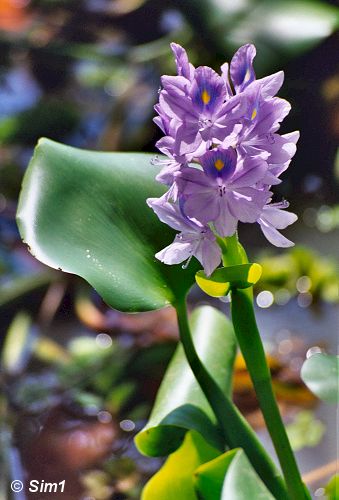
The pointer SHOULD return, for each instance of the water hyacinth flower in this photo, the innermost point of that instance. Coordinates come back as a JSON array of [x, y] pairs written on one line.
[[223, 154], [222, 192], [194, 238]]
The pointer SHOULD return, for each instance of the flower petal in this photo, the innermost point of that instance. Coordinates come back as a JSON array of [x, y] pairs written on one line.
[[208, 254], [208, 90], [192, 181], [169, 214], [273, 235], [281, 148], [270, 114], [277, 217], [175, 106], [184, 67], [219, 163], [202, 206], [270, 85], [175, 85], [225, 224], [253, 170], [175, 253], [188, 139], [225, 76], [241, 67], [246, 203]]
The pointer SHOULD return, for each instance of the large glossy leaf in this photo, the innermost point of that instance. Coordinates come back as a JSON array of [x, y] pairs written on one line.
[[174, 481], [85, 213], [320, 373], [180, 403], [230, 476]]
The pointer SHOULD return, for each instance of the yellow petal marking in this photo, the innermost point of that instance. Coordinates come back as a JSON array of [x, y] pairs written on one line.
[[219, 164], [205, 97], [254, 113]]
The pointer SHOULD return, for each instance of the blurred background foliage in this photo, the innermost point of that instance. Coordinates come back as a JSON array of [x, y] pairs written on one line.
[[77, 379]]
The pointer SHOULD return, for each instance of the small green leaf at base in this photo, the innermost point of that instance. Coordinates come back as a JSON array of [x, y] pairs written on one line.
[[174, 481], [223, 279], [230, 476], [209, 478]]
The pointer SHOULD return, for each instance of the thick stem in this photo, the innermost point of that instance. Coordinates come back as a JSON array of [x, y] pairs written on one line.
[[252, 349], [235, 429]]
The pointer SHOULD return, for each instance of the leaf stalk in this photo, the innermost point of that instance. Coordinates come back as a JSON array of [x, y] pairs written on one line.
[[235, 429]]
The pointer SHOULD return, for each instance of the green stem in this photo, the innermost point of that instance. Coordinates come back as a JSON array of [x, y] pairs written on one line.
[[248, 336], [235, 429], [249, 340]]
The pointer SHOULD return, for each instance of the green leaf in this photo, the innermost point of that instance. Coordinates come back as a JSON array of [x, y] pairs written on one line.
[[180, 403], [224, 278], [230, 476], [209, 478], [174, 481], [320, 373], [242, 482], [85, 212]]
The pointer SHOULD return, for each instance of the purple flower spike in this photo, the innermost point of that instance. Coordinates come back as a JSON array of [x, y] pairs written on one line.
[[194, 239], [241, 68], [223, 153]]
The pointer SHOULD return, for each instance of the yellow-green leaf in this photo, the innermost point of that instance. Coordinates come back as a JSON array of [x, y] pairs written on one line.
[[230, 476], [224, 278], [175, 480]]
